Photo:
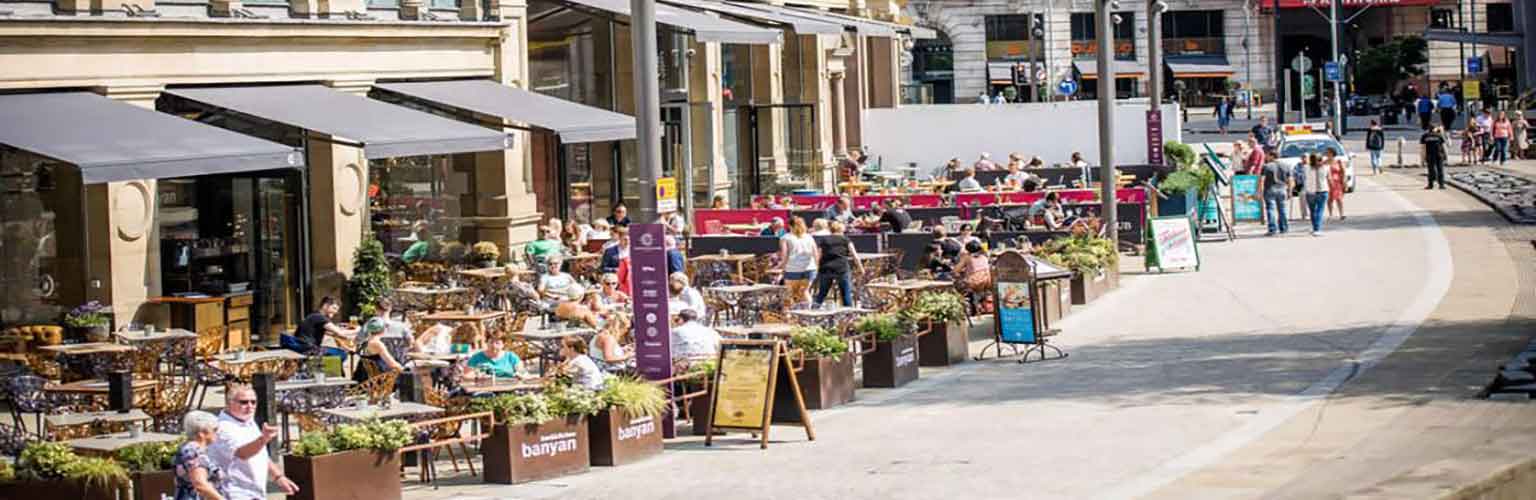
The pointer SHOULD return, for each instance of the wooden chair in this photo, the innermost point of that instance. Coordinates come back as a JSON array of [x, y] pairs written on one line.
[[448, 431], [377, 387]]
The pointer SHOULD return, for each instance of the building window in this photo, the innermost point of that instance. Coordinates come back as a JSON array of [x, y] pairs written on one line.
[[1501, 17], [1085, 42], [1442, 18], [41, 239], [1193, 32], [1015, 37]]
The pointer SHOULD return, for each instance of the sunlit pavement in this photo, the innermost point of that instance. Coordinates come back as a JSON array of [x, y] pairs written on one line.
[[1295, 366]]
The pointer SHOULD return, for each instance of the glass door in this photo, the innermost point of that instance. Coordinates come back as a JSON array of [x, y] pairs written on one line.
[[278, 266]]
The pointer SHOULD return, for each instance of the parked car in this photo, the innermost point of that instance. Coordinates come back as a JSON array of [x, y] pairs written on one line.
[[1297, 141]]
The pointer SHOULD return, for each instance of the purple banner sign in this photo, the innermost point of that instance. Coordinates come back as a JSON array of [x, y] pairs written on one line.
[[648, 277], [1154, 137]]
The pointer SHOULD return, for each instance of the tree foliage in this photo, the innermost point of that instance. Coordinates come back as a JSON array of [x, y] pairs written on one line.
[[370, 274], [1379, 68]]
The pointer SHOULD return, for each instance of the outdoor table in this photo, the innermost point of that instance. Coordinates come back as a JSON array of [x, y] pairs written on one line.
[[167, 345], [107, 444], [547, 342], [483, 321], [501, 385], [400, 410], [143, 337], [281, 362], [88, 418], [306, 395], [746, 302], [903, 293], [854, 188], [100, 388], [584, 265], [756, 331], [492, 273], [828, 318], [753, 228], [431, 299], [737, 261], [88, 348], [91, 359]]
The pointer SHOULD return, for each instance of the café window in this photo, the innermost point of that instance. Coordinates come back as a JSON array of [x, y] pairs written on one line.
[[412, 193], [1193, 32], [1015, 36], [1501, 17], [1085, 43], [42, 274]]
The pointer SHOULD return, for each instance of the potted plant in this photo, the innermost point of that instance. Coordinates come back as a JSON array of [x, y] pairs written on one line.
[[538, 436], [352, 461], [53, 470], [371, 278], [628, 429], [485, 254], [826, 377], [452, 252], [942, 315], [150, 466], [89, 321], [1093, 261], [893, 362]]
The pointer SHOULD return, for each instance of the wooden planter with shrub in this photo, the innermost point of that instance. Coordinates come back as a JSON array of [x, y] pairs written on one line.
[[629, 429], [892, 363], [353, 461], [352, 474], [1088, 288], [61, 489], [825, 381], [943, 315], [52, 471], [151, 485], [150, 468], [519, 453], [1094, 261]]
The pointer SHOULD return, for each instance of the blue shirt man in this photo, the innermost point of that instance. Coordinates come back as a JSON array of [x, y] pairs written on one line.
[[1426, 105], [1445, 100]]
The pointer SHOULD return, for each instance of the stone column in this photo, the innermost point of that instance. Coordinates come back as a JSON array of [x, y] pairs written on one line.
[[503, 189], [122, 232], [839, 129], [855, 98], [338, 207], [884, 82], [706, 118]]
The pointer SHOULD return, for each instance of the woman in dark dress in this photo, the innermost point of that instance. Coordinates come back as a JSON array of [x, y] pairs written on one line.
[[838, 259]]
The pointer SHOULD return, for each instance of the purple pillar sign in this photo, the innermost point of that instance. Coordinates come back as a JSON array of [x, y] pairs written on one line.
[[648, 279], [1154, 137]]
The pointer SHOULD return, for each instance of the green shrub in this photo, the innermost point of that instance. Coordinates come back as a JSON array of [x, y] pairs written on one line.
[[371, 277], [516, 409], [817, 342], [885, 327], [635, 396], [97, 473], [313, 444], [937, 307], [45, 461], [148, 457], [1084, 254], [568, 400], [1182, 155]]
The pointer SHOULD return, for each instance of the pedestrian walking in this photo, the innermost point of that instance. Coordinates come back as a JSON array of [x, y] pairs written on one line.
[[1375, 142], [240, 449], [838, 257], [1434, 155], [1317, 191], [1335, 165], [1446, 102], [1484, 136], [798, 252], [1224, 114], [1469, 152], [1426, 110], [1275, 184], [1254, 162], [1262, 133], [1519, 127], [1502, 130]]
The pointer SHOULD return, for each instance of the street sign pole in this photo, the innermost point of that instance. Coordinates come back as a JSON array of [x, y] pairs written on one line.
[[1107, 120], [1333, 56], [642, 35], [1155, 55]]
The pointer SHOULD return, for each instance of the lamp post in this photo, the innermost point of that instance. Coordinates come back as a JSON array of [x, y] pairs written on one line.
[[642, 35], [1155, 10], [1104, 9]]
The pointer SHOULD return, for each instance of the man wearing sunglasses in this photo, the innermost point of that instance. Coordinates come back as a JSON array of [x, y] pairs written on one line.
[[241, 448]]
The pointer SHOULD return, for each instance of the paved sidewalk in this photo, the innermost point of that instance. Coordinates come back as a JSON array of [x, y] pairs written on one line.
[[1294, 367]]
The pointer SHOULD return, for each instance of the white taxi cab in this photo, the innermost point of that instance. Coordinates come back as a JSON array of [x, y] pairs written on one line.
[[1299, 140]]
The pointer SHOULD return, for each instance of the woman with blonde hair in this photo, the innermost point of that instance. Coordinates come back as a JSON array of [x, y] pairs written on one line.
[[798, 253], [1335, 166]]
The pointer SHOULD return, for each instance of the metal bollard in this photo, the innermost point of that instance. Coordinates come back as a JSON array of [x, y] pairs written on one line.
[[1400, 142]]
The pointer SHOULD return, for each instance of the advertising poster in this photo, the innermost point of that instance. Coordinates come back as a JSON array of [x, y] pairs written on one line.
[[1246, 202], [1015, 313], [1175, 241], [666, 195], [743, 391]]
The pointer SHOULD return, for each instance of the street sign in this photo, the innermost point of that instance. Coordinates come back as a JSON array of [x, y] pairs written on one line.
[[1474, 65], [1301, 64], [1067, 87], [1332, 72], [1471, 90], [666, 195]]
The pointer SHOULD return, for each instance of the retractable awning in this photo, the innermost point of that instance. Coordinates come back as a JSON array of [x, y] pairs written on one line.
[[384, 130], [1199, 66], [705, 28], [115, 141], [1123, 69], [862, 26], [802, 25], [573, 122], [915, 31]]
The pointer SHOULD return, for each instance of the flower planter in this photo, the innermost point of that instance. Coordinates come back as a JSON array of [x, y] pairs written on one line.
[[1177, 205], [530, 452], [91, 333], [150, 485], [354, 474], [946, 345], [61, 489], [825, 382], [619, 439], [1086, 289], [892, 364], [1055, 296]]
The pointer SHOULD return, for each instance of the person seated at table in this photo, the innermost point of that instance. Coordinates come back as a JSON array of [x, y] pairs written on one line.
[[820, 227], [541, 249], [951, 167], [974, 272], [674, 223], [422, 247], [1077, 160], [1051, 213], [684, 296], [610, 295], [494, 360], [934, 263], [691, 340], [850, 167], [384, 311], [609, 352], [676, 261], [581, 368], [841, 211], [617, 251], [967, 236], [372, 350], [1035, 162], [620, 216], [985, 163], [967, 183], [950, 246], [571, 237], [313, 330], [786, 203], [718, 202], [438, 339], [774, 229], [600, 230], [896, 216], [562, 290], [759, 203]]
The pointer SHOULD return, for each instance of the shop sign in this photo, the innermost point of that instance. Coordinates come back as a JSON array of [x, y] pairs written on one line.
[[666, 195], [1471, 90], [653, 335], [1016, 312], [1174, 245], [746, 381], [1154, 137], [1246, 202]]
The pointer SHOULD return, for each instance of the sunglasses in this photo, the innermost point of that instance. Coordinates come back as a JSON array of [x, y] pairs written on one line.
[[244, 401]]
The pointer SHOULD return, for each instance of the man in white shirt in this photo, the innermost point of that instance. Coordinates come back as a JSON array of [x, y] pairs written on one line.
[[691, 340], [241, 449], [684, 296]]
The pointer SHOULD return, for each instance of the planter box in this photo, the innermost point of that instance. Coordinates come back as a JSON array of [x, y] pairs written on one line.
[[522, 453], [824, 383], [150, 485], [698, 409], [356, 474], [1056, 297], [891, 364], [946, 345], [1180, 205], [1087, 289], [619, 439], [61, 490]]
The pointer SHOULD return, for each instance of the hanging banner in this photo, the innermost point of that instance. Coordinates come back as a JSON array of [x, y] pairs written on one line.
[[666, 195], [1246, 202], [1174, 239]]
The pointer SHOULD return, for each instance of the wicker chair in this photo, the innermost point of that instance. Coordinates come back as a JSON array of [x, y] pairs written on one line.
[[205, 373], [170, 403], [26, 395], [451, 406], [14, 439], [377, 387]]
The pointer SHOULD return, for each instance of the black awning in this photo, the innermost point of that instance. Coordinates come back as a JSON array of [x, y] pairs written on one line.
[[573, 122], [115, 141], [384, 130]]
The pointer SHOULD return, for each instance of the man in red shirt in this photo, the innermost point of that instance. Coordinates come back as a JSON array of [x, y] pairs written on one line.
[[1255, 161]]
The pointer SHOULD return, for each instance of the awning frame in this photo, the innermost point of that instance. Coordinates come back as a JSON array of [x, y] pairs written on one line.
[[605, 126]]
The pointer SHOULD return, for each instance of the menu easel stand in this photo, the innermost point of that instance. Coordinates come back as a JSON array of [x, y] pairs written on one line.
[[746, 375], [1020, 322]]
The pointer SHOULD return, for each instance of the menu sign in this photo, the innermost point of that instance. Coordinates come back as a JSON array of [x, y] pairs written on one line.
[[1016, 313], [648, 275], [1174, 244], [743, 390]]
